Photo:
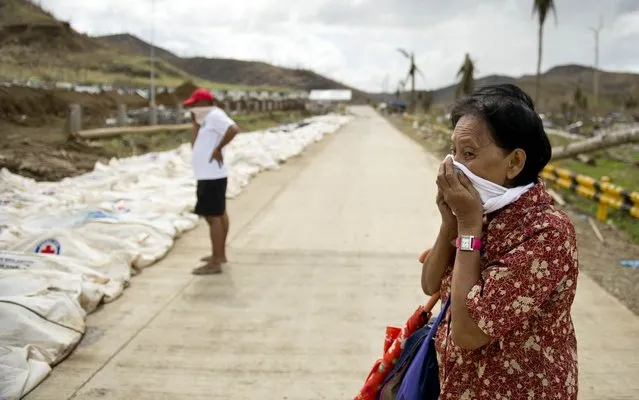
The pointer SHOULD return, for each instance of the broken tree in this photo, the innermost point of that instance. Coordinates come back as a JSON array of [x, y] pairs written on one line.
[[609, 139]]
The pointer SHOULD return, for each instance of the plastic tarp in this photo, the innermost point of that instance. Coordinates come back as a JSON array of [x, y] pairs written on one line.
[[66, 247]]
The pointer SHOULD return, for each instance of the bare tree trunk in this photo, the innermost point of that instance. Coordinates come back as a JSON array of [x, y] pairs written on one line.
[[611, 139], [412, 92], [540, 39]]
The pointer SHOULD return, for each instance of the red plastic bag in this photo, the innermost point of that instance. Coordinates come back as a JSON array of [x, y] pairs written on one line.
[[391, 334], [393, 345]]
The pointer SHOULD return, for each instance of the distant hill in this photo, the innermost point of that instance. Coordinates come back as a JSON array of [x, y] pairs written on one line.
[[230, 71], [558, 85], [133, 45], [34, 44], [447, 94], [24, 24]]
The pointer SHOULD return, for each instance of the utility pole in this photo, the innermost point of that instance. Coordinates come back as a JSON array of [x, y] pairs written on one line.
[[595, 79], [385, 84], [153, 116]]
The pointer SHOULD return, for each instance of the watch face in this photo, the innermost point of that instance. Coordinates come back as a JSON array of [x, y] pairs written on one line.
[[466, 243]]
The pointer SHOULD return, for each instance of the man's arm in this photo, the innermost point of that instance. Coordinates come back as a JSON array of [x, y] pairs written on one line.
[[226, 139], [228, 136], [195, 129]]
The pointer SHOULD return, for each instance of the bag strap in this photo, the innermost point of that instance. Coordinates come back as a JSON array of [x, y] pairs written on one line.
[[440, 317]]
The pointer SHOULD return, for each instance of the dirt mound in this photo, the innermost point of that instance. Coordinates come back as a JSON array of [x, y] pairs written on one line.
[[46, 153], [35, 107], [184, 91], [46, 162], [28, 106], [167, 99]]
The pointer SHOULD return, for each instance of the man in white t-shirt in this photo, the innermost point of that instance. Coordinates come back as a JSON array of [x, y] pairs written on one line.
[[212, 130]]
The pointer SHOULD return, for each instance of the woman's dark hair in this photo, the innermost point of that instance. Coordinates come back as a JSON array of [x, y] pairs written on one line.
[[513, 122]]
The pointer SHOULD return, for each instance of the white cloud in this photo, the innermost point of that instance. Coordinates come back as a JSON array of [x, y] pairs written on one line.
[[355, 42]]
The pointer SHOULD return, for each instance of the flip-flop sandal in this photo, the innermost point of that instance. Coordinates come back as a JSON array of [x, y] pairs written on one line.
[[207, 270]]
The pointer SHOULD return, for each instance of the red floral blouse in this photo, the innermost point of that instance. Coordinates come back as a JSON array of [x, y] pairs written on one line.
[[522, 301]]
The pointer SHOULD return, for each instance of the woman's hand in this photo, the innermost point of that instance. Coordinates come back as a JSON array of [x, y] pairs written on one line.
[[449, 221], [460, 196]]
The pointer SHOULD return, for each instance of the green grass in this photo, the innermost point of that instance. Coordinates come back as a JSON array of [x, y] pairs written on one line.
[[261, 121], [559, 140], [621, 220], [620, 173]]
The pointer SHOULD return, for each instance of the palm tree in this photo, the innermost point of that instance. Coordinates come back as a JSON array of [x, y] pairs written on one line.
[[412, 70], [541, 8], [467, 73], [400, 87]]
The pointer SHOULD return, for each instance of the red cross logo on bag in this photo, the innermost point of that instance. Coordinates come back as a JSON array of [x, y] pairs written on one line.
[[48, 246]]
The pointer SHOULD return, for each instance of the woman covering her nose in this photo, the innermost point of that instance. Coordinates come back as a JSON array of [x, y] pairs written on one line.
[[505, 256]]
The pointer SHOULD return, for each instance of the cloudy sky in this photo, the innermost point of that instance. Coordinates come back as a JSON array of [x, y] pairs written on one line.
[[355, 41]]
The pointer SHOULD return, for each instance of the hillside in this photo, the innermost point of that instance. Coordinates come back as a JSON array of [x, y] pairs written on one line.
[[133, 45], [229, 71], [447, 94], [35, 45], [25, 25], [558, 85]]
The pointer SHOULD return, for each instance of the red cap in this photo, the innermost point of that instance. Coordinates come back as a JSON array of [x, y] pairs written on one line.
[[199, 95]]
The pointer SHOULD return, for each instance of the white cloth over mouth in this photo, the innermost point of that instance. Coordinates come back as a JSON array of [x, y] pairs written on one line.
[[493, 196]]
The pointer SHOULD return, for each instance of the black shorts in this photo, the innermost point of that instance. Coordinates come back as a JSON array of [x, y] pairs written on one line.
[[211, 198]]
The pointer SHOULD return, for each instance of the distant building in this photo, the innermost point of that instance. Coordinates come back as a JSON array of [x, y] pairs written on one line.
[[330, 95], [326, 100], [64, 85], [92, 89]]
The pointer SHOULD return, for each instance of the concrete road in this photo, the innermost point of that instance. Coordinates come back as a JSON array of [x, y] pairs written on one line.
[[323, 257]]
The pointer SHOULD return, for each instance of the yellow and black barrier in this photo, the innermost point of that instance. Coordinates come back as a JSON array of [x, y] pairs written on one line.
[[602, 191]]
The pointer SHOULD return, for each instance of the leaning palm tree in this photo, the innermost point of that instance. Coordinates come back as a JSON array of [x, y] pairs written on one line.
[[412, 70], [541, 8], [467, 73]]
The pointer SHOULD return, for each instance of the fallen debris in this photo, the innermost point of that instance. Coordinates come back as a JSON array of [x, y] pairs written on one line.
[[594, 227], [609, 139], [588, 160]]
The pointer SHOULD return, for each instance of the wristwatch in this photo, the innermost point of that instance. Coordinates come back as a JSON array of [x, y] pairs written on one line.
[[468, 243]]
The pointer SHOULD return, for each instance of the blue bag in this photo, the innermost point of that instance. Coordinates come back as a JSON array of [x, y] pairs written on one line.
[[390, 385], [421, 380]]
